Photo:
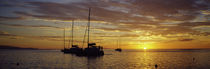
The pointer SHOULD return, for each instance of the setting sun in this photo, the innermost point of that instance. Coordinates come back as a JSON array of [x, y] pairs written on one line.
[[145, 48]]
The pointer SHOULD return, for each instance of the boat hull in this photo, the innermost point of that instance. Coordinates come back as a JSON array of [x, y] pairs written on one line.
[[118, 50]]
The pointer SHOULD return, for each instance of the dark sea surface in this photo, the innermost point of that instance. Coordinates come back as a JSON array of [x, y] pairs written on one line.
[[127, 59]]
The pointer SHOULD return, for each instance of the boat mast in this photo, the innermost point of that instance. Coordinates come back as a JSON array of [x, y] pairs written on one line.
[[88, 27], [119, 43], [72, 37], [64, 38]]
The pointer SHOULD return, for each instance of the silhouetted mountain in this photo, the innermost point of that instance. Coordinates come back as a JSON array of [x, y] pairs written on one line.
[[13, 47]]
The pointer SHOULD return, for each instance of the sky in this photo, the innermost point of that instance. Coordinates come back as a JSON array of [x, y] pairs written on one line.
[[134, 24]]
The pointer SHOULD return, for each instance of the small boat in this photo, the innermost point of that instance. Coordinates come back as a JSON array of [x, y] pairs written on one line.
[[118, 47]]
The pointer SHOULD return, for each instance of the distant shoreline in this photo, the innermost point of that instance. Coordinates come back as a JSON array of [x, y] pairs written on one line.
[[16, 48]]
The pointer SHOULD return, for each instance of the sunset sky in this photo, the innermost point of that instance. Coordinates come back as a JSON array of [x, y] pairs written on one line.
[[137, 24]]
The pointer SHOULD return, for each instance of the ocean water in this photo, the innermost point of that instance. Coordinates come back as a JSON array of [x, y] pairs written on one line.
[[127, 59]]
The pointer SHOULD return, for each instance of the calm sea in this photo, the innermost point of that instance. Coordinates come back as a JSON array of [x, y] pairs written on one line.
[[127, 59]]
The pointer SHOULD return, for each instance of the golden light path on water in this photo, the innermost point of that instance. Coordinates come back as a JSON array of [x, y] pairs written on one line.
[[127, 59]]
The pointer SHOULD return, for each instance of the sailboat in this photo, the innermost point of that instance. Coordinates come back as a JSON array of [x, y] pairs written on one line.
[[92, 49], [118, 47], [64, 44], [74, 48]]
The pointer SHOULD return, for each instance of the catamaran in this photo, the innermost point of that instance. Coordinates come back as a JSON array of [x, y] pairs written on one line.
[[92, 49]]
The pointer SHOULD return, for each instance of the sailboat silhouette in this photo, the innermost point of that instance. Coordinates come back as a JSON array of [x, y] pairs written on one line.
[[74, 48], [92, 49], [118, 46]]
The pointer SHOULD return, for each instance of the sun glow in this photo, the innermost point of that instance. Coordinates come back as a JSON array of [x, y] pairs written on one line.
[[145, 48]]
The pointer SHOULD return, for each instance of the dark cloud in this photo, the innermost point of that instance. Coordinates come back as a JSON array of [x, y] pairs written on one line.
[[175, 30], [13, 36], [104, 10], [127, 15], [130, 35], [205, 33], [194, 24], [10, 3], [49, 17], [3, 33], [46, 10], [31, 26], [113, 29], [6, 34], [3, 18], [53, 38], [186, 39], [120, 35], [52, 10], [170, 9]]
